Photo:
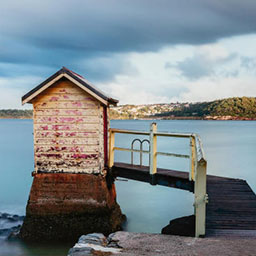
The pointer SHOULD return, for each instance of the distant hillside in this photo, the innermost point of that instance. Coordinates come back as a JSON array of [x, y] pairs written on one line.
[[231, 108], [140, 111], [244, 107], [15, 113]]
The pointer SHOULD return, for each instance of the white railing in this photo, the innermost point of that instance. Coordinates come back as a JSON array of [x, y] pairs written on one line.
[[197, 169]]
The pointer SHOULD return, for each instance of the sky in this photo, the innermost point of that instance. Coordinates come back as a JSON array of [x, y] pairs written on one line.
[[137, 51]]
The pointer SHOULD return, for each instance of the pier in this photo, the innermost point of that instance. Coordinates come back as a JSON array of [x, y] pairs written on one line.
[[222, 206]]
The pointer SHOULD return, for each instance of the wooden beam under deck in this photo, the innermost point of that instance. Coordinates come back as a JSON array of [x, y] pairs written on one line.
[[164, 177]]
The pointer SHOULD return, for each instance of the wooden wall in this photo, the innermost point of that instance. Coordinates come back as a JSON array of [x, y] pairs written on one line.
[[68, 130]]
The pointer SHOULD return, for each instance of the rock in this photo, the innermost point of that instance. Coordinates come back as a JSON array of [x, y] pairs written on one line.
[[14, 233], [64, 206], [94, 238], [10, 226], [184, 226], [11, 217], [80, 251], [113, 240], [93, 244]]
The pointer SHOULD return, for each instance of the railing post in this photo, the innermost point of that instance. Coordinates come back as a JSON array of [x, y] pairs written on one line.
[[153, 151], [192, 158], [111, 148], [201, 198]]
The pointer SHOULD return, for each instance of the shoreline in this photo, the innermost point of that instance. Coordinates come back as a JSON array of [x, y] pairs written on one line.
[[208, 118]]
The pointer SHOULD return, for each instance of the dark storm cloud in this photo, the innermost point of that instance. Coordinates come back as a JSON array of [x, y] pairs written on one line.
[[56, 33], [116, 25]]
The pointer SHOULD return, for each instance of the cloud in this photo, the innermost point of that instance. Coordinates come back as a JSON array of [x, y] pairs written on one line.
[[207, 89], [249, 63], [204, 62], [12, 89], [133, 93], [141, 51], [56, 32], [186, 73], [105, 67]]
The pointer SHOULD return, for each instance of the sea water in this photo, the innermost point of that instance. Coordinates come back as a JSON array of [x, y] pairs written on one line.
[[230, 148]]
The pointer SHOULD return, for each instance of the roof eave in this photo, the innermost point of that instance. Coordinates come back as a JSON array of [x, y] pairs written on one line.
[[73, 77], [113, 101], [28, 97]]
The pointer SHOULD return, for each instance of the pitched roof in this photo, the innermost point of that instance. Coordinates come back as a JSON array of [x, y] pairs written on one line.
[[74, 78]]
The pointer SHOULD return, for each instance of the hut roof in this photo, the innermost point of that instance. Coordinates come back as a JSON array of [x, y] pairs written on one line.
[[74, 78]]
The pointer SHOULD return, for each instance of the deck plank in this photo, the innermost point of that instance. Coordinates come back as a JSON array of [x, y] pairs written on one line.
[[231, 210]]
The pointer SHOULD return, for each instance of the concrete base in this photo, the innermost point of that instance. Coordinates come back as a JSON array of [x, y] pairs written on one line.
[[62, 207]]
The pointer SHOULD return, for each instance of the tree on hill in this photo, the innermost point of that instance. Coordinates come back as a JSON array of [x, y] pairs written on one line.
[[237, 107]]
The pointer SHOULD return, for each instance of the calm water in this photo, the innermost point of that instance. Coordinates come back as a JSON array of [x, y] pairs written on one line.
[[230, 148]]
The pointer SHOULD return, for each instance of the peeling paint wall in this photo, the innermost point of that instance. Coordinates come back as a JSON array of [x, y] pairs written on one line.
[[68, 130]]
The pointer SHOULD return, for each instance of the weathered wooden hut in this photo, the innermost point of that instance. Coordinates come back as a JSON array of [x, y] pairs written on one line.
[[70, 124], [70, 195]]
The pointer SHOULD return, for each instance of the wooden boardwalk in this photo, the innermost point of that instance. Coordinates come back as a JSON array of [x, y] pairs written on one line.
[[231, 210]]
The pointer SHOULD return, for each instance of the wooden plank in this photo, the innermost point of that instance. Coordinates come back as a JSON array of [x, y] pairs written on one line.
[[111, 148], [54, 97], [163, 177], [67, 141], [68, 155], [231, 233], [200, 200], [67, 148], [66, 163], [88, 170], [63, 87], [66, 120], [153, 149], [67, 112], [173, 173], [193, 158], [67, 134], [66, 105], [101, 139], [232, 206], [66, 127], [131, 172]]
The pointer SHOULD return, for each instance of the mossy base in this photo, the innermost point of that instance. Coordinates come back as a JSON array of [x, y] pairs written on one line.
[[62, 207]]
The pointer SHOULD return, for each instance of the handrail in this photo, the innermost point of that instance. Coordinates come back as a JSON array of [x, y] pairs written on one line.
[[154, 136], [141, 149], [113, 130], [195, 146], [179, 135], [197, 170]]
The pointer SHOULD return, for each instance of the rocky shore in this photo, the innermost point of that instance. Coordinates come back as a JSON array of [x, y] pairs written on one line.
[[127, 244], [132, 244], [10, 225]]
